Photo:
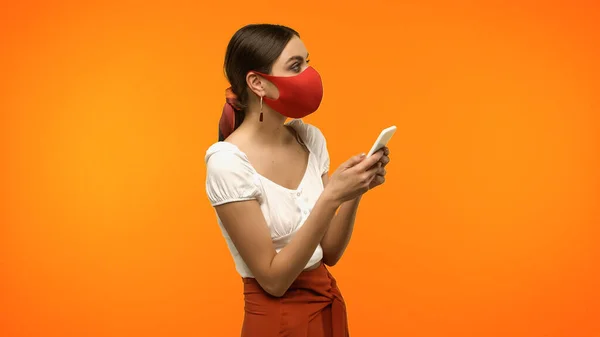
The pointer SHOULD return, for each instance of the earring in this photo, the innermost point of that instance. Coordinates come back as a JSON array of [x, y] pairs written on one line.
[[261, 108]]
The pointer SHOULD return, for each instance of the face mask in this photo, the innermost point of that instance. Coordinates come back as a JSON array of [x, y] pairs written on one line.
[[299, 95]]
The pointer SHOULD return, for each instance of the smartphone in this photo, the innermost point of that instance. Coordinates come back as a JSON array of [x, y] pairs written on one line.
[[382, 140]]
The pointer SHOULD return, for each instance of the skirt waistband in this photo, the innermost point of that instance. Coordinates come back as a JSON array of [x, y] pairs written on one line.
[[312, 294]]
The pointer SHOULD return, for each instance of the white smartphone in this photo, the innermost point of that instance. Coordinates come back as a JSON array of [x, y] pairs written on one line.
[[382, 140]]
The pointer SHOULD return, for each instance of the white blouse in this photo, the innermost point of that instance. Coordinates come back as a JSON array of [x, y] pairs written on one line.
[[230, 177]]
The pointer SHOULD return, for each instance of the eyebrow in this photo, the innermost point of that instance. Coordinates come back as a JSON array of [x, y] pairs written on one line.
[[297, 58]]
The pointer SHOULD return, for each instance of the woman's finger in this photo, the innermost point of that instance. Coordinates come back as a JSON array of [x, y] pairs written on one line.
[[368, 163], [384, 160]]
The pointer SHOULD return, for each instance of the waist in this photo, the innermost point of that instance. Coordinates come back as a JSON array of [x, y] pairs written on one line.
[[314, 266], [313, 303], [315, 278]]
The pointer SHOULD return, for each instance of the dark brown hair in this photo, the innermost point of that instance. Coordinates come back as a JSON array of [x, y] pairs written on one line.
[[254, 47]]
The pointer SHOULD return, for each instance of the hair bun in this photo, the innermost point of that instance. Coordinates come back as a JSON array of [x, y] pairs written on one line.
[[227, 121], [232, 99]]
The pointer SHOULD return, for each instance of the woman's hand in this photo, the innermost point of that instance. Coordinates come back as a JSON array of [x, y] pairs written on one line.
[[353, 177], [381, 164]]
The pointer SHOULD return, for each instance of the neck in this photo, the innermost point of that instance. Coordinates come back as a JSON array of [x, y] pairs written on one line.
[[270, 130]]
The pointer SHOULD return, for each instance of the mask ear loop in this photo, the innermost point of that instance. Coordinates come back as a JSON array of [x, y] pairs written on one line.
[[261, 109]]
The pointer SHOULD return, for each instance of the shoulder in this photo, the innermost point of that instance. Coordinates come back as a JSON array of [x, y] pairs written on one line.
[[229, 175], [225, 155]]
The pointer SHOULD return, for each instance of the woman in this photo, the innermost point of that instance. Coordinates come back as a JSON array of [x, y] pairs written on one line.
[[268, 182]]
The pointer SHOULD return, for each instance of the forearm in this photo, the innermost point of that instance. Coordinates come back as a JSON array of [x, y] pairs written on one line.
[[292, 260], [338, 234]]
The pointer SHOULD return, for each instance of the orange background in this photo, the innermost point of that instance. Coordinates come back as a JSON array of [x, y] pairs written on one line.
[[487, 226]]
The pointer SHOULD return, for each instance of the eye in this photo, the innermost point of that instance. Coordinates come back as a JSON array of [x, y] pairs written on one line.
[[296, 67]]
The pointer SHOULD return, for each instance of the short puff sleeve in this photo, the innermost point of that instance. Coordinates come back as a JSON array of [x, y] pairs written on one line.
[[230, 178]]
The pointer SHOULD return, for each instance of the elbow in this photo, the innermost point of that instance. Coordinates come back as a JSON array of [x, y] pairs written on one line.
[[331, 255], [330, 260], [330, 263], [277, 292], [273, 288]]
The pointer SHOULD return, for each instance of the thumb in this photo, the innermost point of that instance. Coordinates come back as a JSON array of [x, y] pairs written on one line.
[[354, 160]]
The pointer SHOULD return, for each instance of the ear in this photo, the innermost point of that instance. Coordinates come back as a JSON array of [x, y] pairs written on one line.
[[256, 83]]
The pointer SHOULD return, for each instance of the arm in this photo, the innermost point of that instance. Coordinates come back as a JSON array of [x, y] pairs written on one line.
[[248, 230], [338, 234]]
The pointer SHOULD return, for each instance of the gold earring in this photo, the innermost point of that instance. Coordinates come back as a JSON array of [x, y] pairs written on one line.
[[261, 108]]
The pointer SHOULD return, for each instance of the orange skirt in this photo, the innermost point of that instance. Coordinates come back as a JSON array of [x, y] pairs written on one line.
[[312, 307]]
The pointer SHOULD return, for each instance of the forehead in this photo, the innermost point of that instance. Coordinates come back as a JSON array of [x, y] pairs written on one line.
[[294, 48]]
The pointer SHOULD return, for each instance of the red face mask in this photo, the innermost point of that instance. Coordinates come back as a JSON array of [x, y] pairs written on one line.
[[299, 95]]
